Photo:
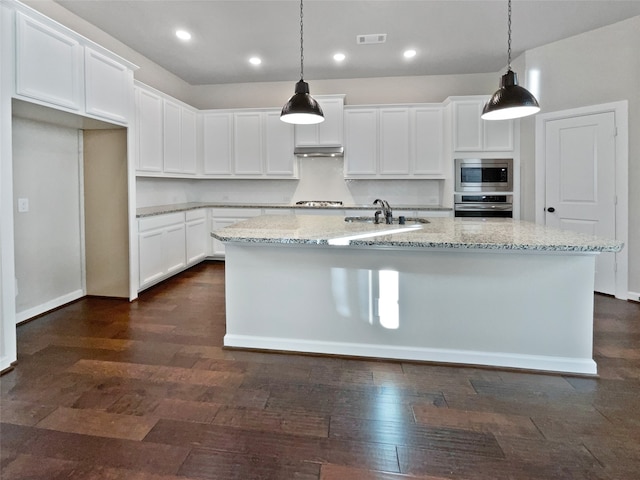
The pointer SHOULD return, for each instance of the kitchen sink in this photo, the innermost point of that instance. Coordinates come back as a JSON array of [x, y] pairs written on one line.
[[396, 220]]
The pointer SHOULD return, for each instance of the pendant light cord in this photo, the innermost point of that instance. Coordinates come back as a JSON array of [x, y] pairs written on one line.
[[509, 39], [301, 43]]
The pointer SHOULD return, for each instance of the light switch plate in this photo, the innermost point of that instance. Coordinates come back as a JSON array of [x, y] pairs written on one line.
[[23, 205]]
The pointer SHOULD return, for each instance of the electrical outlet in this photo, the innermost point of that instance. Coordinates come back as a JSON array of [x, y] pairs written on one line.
[[23, 205]]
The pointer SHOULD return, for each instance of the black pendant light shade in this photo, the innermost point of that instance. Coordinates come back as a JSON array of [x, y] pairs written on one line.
[[511, 100], [302, 108]]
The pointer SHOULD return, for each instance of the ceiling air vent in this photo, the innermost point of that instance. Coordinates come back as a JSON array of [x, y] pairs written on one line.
[[371, 38]]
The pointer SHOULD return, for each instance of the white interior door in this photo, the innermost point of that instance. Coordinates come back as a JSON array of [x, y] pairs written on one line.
[[580, 188]]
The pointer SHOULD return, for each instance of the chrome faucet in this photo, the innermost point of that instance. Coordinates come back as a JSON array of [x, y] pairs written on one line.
[[386, 208]]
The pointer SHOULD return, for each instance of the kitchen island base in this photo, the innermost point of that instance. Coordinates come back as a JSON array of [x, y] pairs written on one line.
[[506, 308]]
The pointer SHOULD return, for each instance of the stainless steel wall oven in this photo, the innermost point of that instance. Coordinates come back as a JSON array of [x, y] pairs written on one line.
[[483, 205]]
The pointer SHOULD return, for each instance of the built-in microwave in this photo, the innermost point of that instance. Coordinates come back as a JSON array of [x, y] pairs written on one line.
[[484, 174]]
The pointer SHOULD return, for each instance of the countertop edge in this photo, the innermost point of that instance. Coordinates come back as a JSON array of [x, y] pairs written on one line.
[[183, 207]]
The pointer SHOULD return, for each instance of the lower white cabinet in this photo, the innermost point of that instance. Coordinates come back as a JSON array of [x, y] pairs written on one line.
[[161, 247], [196, 235], [169, 243], [223, 217]]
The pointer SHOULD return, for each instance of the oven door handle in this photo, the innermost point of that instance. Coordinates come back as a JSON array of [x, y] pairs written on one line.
[[488, 207]]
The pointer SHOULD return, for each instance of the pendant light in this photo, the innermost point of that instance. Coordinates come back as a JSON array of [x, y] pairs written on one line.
[[302, 108], [510, 100]]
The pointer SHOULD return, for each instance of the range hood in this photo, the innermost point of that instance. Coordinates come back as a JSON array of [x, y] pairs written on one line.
[[319, 151]]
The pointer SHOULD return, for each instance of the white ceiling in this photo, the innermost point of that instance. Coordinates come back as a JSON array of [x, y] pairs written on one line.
[[450, 36]]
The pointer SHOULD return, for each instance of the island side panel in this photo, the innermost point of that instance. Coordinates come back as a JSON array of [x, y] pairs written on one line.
[[505, 308]]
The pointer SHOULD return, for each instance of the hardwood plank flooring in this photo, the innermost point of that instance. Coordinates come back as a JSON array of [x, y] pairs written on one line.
[[105, 389]]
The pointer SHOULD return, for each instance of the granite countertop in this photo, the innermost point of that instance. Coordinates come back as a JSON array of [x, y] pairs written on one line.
[[450, 233], [182, 207]]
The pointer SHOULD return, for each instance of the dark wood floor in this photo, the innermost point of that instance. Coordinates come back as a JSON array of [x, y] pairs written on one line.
[[106, 389]]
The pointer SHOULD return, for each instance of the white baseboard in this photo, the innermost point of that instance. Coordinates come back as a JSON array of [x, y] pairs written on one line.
[[465, 357], [50, 305], [635, 296]]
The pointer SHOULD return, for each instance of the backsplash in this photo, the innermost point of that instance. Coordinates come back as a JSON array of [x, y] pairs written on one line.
[[320, 179]]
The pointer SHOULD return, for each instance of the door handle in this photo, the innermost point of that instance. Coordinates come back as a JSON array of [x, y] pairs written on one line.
[[551, 209]]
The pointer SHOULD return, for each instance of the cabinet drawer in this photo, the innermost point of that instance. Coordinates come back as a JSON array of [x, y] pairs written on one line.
[[159, 221], [197, 214]]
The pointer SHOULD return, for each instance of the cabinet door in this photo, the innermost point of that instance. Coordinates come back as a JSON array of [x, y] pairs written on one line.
[[393, 146], [149, 120], [108, 86], [188, 141], [151, 257], [428, 141], [247, 143], [360, 145], [172, 148], [467, 126], [196, 240], [217, 247], [498, 135], [279, 158], [48, 64], [329, 132], [175, 248], [217, 134]]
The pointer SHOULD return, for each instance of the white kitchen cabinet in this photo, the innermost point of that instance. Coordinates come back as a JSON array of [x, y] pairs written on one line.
[[361, 126], [189, 140], [108, 87], [224, 217], [327, 133], [49, 64], [394, 142], [196, 235], [57, 67], [161, 245], [248, 144], [149, 130], [217, 132], [428, 141], [472, 134], [171, 146], [166, 134], [278, 154]]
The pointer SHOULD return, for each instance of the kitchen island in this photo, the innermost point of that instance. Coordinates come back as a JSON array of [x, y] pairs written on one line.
[[501, 292]]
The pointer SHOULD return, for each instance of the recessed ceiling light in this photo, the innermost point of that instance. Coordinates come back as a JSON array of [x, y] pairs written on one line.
[[183, 35], [339, 57], [255, 61], [409, 53]]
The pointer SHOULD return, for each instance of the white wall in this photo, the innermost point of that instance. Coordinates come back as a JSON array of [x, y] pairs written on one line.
[[320, 179], [359, 91], [48, 247], [596, 67]]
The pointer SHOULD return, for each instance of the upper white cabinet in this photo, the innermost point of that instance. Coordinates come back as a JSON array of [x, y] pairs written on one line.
[[247, 144], [108, 87], [472, 134], [217, 136], [394, 142], [49, 64], [361, 133], [327, 133], [57, 67], [166, 134], [149, 130], [279, 135]]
